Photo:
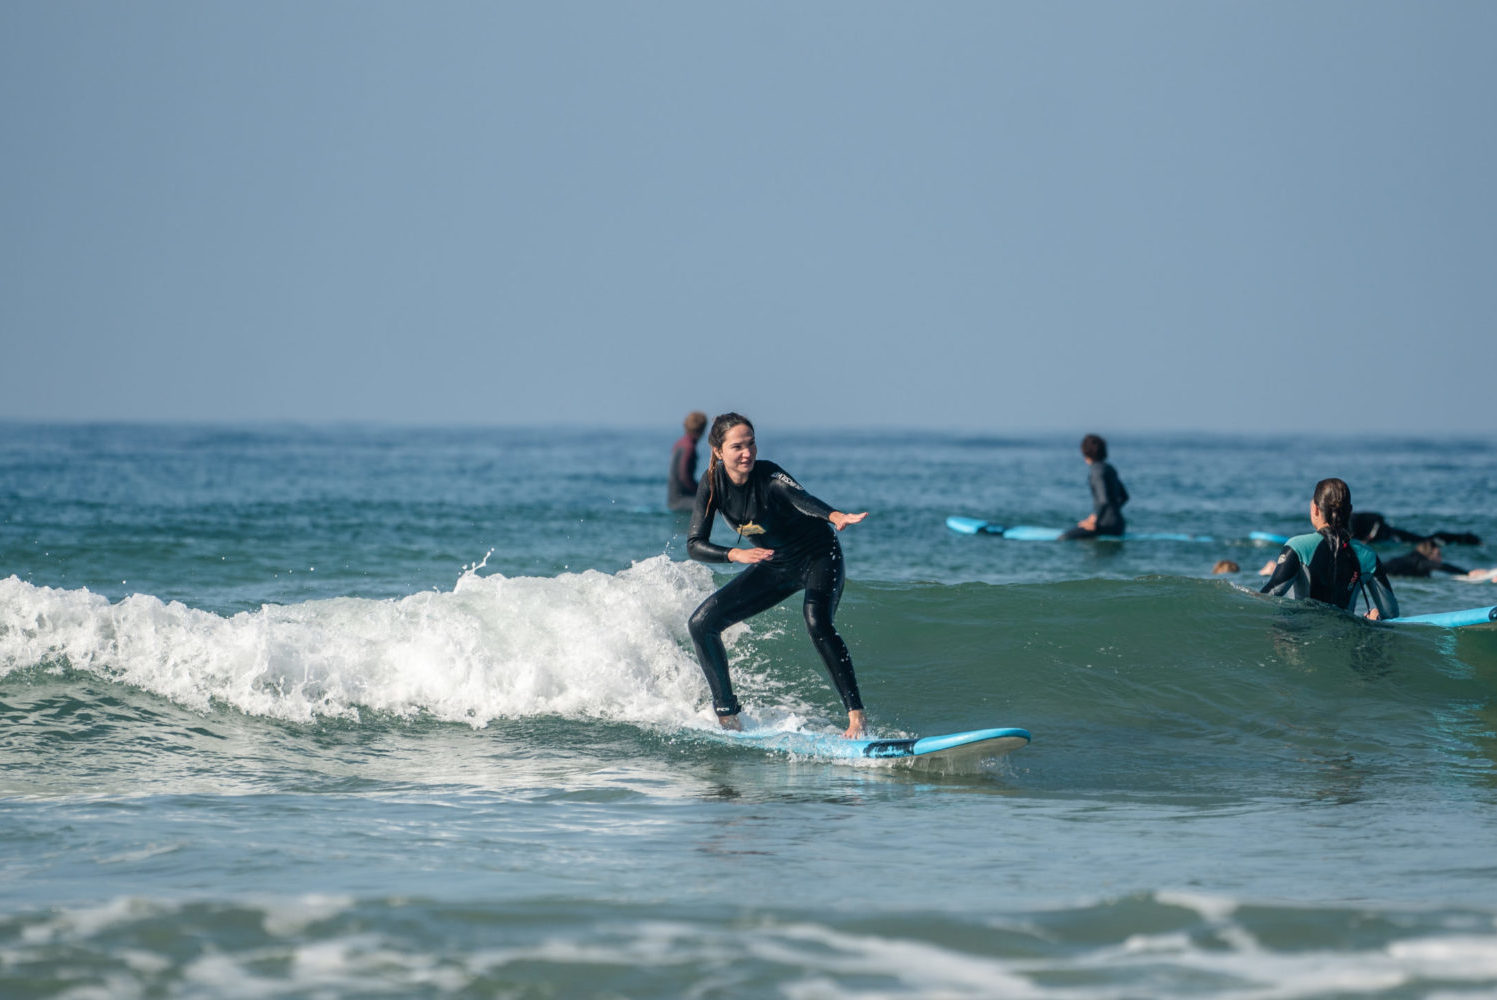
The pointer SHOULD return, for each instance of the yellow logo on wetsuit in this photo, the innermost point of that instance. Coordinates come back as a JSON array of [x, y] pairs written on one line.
[[750, 528]]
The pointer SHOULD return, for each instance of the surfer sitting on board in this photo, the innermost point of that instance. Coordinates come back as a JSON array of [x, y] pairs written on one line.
[[1328, 565], [1108, 493], [794, 548]]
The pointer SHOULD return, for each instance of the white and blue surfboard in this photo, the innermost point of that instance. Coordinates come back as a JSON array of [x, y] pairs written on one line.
[[1034, 533], [976, 744], [1452, 619]]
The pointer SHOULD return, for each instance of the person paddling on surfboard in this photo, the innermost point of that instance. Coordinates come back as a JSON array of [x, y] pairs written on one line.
[[1329, 565], [1427, 558], [793, 548], [1108, 493], [1370, 526]]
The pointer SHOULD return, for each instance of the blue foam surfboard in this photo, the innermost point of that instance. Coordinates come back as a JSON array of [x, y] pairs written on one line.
[[1452, 619], [975, 744], [1268, 536], [1032, 533]]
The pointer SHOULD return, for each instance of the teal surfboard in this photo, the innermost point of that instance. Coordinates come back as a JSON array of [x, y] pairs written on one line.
[[976, 744], [1452, 619], [1034, 533]]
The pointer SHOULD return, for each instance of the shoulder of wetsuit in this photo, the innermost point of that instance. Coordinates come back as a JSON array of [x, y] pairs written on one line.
[[1305, 545]]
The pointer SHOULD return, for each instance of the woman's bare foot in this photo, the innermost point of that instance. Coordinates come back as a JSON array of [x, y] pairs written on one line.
[[855, 727], [730, 722]]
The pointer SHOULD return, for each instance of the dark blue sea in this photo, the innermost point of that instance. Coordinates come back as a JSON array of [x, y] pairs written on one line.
[[363, 711]]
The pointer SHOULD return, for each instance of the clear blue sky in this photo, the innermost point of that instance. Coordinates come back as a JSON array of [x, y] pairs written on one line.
[[997, 216]]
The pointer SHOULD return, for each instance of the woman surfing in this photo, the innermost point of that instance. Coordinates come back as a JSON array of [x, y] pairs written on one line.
[[793, 547]]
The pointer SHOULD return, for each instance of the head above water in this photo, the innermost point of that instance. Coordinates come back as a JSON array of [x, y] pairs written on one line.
[[722, 426], [1094, 448], [1332, 502], [723, 423]]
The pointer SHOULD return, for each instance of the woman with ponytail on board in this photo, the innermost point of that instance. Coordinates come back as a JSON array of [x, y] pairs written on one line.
[[793, 547], [1328, 565]]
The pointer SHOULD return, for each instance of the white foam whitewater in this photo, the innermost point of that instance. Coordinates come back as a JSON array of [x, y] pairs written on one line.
[[587, 644]]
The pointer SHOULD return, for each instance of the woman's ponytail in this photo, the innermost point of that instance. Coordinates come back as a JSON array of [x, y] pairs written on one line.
[[1333, 497]]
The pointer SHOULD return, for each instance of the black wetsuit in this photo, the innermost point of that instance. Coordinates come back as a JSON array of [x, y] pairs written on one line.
[[1336, 571], [1370, 526], [1108, 497], [1416, 563], [773, 511], [681, 487]]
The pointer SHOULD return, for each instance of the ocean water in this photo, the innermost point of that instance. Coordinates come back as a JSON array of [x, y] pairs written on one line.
[[388, 712]]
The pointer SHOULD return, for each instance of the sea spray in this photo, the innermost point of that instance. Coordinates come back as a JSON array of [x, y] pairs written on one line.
[[587, 644]]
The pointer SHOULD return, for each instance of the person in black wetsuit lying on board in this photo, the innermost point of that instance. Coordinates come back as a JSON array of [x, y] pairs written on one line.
[[1108, 494], [1370, 526], [794, 548], [1328, 565], [1426, 559]]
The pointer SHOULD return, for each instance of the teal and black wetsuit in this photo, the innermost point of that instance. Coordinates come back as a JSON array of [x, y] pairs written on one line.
[[771, 510], [1336, 571], [1108, 497]]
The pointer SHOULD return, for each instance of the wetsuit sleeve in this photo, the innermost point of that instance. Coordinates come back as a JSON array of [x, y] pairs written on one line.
[[699, 536], [1284, 574], [1380, 593], [1097, 479], [783, 486], [1446, 567]]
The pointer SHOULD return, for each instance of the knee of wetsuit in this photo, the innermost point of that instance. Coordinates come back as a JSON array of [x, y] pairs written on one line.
[[818, 617], [700, 623]]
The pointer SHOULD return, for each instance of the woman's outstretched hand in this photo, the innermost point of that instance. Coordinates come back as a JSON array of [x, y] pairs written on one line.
[[750, 555], [840, 520]]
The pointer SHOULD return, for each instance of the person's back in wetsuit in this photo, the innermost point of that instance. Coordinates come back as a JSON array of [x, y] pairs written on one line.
[[1327, 565], [1108, 497], [1108, 493]]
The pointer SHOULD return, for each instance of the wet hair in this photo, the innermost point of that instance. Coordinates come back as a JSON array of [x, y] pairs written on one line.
[[721, 424], [1225, 566], [1429, 549], [1333, 497], [1094, 447], [695, 423]]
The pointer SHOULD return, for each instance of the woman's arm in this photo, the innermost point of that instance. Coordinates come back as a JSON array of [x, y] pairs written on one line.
[[1380, 594], [699, 536], [1285, 572]]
